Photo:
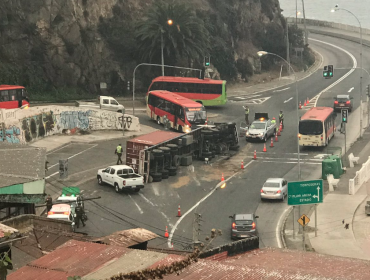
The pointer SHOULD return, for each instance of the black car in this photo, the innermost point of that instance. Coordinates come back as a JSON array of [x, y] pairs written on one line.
[[343, 102], [243, 225]]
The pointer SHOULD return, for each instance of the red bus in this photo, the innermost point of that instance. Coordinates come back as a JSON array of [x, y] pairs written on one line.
[[317, 126], [12, 97], [180, 111], [205, 91]]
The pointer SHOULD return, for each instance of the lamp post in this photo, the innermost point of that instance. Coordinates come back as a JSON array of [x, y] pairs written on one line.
[[262, 53], [336, 8], [169, 22], [287, 41]]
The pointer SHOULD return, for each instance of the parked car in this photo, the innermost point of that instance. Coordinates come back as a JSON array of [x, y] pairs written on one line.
[[105, 103], [274, 188], [261, 128], [343, 102], [62, 212], [121, 177], [243, 225]]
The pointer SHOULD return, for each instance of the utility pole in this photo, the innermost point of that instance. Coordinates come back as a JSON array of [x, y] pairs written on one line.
[[305, 27], [196, 230]]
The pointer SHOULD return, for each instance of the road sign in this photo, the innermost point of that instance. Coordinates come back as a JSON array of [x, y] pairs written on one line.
[[305, 192], [303, 220]]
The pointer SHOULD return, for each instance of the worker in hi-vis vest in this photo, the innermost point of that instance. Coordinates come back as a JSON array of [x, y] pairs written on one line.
[[246, 109], [118, 152]]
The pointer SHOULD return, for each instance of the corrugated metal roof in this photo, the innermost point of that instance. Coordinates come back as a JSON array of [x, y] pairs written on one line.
[[128, 237], [135, 260], [155, 137], [34, 273], [75, 258], [272, 264]]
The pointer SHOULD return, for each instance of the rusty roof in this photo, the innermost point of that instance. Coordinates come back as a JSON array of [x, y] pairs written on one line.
[[155, 137], [35, 273], [127, 237], [272, 264]]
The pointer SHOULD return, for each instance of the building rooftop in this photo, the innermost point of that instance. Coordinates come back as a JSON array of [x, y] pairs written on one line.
[[128, 237]]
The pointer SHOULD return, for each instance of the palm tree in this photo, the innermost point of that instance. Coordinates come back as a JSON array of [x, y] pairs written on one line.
[[185, 38]]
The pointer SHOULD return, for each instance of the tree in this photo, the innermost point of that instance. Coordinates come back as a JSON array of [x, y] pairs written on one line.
[[185, 38]]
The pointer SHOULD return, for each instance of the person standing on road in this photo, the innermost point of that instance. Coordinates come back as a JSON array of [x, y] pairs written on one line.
[[118, 152], [281, 118], [246, 109], [49, 203], [79, 214]]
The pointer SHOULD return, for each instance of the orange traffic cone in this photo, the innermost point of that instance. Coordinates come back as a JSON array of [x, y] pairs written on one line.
[[222, 177], [179, 211], [276, 137], [300, 105], [304, 104], [308, 101], [264, 148], [242, 166], [255, 154], [166, 233], [272, 143]]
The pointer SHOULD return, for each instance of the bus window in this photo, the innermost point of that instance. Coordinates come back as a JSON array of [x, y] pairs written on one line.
[[4, 95], [181, 114], [12, 94], [161, 104], [310, 127]]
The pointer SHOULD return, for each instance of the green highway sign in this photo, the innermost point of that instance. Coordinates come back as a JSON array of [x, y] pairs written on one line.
[[305, 192]]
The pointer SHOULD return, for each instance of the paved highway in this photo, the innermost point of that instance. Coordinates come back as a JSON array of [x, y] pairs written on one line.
[[155, 207]]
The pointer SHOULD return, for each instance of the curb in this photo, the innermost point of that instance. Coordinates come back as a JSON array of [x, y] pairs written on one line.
[[282, 231], [354, 214]]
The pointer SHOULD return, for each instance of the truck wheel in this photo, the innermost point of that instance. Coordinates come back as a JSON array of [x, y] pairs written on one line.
[[172, 171], [165, 174], [158, 120], [157, 177], [116, 187], [100, 181], [176, 161]]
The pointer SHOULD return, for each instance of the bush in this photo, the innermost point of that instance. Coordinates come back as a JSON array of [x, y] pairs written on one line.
[[244, 67]]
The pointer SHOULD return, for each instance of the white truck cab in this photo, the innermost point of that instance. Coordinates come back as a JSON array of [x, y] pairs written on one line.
[[104, 103]]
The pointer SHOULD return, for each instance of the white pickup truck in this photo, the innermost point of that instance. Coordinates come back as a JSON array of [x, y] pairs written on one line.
[[121, 177], [105, 103]]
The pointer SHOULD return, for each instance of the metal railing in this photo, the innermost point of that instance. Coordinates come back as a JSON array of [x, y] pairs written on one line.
[[361, 177]]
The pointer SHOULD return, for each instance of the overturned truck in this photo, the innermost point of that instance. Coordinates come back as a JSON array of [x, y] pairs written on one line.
[[158, 155]]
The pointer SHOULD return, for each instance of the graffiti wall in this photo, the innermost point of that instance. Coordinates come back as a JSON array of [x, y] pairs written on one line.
[[22, 126]]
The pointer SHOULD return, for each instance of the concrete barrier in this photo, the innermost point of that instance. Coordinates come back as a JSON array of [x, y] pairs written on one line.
[[27, 125]]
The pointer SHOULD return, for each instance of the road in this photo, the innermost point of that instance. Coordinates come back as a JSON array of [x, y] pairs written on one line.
[[155, 207]]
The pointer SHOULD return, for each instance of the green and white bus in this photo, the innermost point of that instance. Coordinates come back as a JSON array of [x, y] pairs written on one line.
[[205, 91]]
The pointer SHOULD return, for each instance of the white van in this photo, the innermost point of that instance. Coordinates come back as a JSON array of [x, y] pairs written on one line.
[[61, 212]]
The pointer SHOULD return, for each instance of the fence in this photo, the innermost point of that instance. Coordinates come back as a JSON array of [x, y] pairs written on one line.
[[362, 176]]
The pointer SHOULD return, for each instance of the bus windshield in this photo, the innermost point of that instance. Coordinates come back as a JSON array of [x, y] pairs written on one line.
[[310, 127], [196, 115]]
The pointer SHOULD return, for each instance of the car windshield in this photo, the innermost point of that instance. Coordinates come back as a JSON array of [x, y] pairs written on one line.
[[243, 222], [342, 100], [196, 115], [308, 127], [271, 185], [258, 126]]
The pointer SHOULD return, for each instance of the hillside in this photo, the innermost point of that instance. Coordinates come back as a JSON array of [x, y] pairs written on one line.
[[60, 48]]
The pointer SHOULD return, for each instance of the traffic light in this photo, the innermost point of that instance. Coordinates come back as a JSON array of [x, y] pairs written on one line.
[[207, 61], [330, 70], [325, 72], [344, 115]]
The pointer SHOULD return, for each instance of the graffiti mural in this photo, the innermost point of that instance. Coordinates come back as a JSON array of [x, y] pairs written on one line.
[[74, 119], [12, 135], [37, 126]]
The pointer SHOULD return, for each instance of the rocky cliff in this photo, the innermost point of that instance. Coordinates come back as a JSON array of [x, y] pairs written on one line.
[[57, 45]]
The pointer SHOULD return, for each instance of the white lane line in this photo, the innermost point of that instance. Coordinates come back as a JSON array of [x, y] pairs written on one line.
[[306, 159], [352, 88], [288, 100], [197, 204], [147, 200], [51, 175], [295, 162], [53, 151], [74, 155], [278, 90], [137, 205], [345, 75], [278, 226]]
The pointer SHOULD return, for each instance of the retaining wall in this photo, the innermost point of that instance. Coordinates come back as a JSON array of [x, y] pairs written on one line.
[[27, 125]]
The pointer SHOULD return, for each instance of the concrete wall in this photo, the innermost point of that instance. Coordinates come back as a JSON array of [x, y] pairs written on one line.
[[25, 222], [27, 125]]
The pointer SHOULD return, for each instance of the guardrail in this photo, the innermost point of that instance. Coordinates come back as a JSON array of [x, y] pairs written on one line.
[[362, 176]]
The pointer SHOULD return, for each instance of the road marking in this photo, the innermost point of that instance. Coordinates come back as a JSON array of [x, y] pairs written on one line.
[[197, 204], [74, 155], [278, 90], [147, 200], [137, 205], [313, 159], [295, 162], [352, 88], [51, 175], [288, 100], [58, 149], [344, 76]]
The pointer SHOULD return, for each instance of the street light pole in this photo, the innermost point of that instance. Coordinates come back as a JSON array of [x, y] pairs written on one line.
[[261, 53], [162, 46], [359, 23], [287, 41]]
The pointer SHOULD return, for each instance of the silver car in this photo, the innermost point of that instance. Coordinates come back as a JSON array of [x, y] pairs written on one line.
[[274, 188], [260, 129]]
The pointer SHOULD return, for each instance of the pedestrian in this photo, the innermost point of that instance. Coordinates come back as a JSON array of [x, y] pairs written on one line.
[[281, 118], [246, 111], [49, 203], [79, 215], [118, 152]]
